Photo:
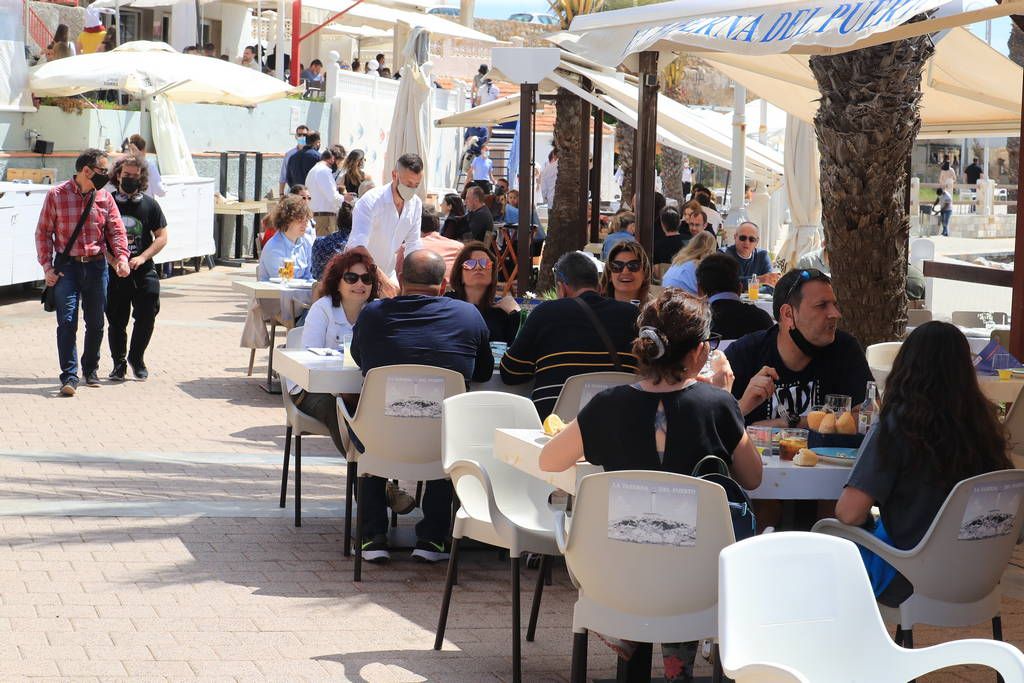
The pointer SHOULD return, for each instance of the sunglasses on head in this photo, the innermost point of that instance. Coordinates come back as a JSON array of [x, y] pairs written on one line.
[[804, 276], [351, 278], [618, 266], [476, 264], [747, 238]]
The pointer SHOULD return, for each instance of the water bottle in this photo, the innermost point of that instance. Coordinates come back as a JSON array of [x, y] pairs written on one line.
[[868, 410]]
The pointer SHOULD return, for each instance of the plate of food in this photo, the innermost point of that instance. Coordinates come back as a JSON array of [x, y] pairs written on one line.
[[836, 455], [275, 280]]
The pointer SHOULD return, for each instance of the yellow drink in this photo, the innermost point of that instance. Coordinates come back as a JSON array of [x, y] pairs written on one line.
[[753, 290]]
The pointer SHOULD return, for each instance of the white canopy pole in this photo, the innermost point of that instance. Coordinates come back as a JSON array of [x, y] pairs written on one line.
[[279, 49], [739, 154]]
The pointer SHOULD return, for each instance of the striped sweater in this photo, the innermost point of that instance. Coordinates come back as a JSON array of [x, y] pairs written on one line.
[[558, 341]]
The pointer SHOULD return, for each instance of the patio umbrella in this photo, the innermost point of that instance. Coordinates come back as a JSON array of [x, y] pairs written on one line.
[[410, 124], [803, 190], [143, 68]]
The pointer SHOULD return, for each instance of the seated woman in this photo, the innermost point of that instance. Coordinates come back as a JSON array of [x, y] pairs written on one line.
[[290, 219], [453, 210], [475, 280], [667, 421], [682, 274], [627, 273], [350, 281], [935, 429]]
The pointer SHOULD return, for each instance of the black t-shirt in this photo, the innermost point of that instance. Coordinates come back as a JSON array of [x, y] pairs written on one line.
[[733, 319], [840, 369], [141, 216], [973, 173], [666, 246], [480, 221], [618, 428], [501, 326]]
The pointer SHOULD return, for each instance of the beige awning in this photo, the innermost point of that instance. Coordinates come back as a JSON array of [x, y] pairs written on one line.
[[379, 16], [493, 113], [969, 89]]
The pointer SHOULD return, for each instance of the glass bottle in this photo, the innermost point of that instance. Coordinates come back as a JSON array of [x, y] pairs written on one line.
[[868, 410]]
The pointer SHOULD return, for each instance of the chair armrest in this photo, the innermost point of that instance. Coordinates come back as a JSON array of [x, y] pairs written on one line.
[[763, 672], [343, 412], [894, 556], [560, 531], [471, 469], [1003, 657]]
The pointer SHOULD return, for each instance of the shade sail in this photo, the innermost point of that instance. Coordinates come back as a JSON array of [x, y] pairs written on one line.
[[379, 16], [965, 86], [770, 26], [494, 113], [142, 68]]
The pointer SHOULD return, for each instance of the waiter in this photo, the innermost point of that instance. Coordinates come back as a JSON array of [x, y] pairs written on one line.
[[139, 293], [387, 217]]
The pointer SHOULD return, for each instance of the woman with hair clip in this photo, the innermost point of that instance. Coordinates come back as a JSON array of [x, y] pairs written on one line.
[[666, 421], [935, 429]]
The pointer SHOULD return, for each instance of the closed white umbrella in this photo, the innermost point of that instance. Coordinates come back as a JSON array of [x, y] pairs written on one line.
[[411, 124], [142, 68], [803, 190]]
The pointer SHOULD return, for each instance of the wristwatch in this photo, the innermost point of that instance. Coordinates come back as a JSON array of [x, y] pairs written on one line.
[[792, 420]]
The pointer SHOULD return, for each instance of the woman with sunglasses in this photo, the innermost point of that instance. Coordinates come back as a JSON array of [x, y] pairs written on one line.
[[350, 281], [666, 421], [627, 273], [682, 274], [475, 280]]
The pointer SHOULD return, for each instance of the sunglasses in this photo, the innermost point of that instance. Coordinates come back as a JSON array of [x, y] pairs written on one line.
[[804, 276], [618, 266], [746, 238], [476, 264], [351, 278], [713, 341]]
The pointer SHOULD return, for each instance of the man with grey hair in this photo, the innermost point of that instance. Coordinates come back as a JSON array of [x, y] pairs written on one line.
[[389, 216], [419, 327]]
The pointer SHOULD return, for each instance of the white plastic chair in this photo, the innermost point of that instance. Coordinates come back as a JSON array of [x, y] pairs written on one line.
[[880, 358], [297, 423], [921, 249], [918, 316], [629, 589], [798, 606], [579, 387], [956, 581], [395, 447], [499, 504]]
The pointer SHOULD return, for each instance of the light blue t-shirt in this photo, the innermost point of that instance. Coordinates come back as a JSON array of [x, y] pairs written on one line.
[[682, 277], [613, 239], [278, 248]]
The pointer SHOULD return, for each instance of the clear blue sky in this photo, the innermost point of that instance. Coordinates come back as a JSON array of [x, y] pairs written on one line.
[[500, 9], [1000, 33]]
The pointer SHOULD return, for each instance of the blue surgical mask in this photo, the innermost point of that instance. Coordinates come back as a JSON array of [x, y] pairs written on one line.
[[300, 140]]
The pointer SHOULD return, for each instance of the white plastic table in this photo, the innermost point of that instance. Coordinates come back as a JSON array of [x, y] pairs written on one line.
[[782, 480], [276, 300]]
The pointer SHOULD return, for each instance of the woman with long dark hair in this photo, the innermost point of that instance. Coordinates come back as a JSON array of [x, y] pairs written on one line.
[[352, 170], [475, 280], [935, 429], [455, 223]]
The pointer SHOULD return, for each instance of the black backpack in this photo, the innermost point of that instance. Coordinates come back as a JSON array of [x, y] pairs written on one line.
[[744, 524]]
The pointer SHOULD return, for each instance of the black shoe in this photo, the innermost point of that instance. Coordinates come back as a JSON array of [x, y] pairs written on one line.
[[92, 379], [119, 371], [429, 551], [139, 370], [376, 551], [68, 388]]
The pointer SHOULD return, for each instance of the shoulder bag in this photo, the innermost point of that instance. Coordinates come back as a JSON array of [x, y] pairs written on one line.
[[48, 297], [601, 332], [744, 524]]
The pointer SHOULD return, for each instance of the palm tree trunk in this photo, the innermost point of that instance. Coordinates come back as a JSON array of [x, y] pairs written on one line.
[[565, 224], [672, 159], [625, 142], [866, 125], [1015, 44]]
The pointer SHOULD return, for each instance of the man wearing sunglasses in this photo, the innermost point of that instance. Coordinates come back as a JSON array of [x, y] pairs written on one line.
[[752, 261], [783, 371]]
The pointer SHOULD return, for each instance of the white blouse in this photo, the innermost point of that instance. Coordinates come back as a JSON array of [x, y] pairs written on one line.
[[325, 326]]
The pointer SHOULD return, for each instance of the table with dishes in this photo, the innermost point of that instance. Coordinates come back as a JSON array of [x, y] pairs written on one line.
[[276, 301]]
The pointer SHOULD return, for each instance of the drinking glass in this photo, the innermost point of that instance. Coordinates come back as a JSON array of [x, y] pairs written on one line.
[[1002, 365], [790, 442], [762, 439], [838, 404], [753, 288]]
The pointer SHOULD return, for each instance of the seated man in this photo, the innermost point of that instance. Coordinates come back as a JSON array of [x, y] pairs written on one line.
[[667, 244], [697, 220], [432, 240], [478, 216], [625, 233], [419, 327], [560, 339], [752, 261], [718, 280], [801, 359]]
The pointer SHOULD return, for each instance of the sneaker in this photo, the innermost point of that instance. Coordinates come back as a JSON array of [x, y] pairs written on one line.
[[140, 371], [119, 371], [92, 379], [376, 550], [68, 389], [429, 551], [398, 500]]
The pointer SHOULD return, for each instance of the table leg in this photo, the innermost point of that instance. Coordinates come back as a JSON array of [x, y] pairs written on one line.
[[271, 387]]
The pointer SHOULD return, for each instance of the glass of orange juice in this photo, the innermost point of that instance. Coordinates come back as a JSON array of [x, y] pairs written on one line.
[[753, 288]]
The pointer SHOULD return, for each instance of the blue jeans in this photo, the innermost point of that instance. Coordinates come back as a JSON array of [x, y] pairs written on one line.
[[85, 283], [944, 217]]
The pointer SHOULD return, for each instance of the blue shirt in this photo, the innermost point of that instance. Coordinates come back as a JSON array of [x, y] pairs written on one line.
[[283, 176], [424, 330], [757, 264], [299, 165], [277, 249], [324, 249], [512, 218], [613, 239], [681, 277]]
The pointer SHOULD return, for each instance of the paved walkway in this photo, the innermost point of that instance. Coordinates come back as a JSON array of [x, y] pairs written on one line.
[[140, 535]]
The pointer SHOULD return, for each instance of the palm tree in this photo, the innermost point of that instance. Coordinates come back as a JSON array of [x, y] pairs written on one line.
[[866, 125], [1015, 45], [566, 227], [672, 159]]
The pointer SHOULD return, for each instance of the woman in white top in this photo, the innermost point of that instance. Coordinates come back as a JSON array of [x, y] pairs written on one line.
[[350, 281], [682, 274]]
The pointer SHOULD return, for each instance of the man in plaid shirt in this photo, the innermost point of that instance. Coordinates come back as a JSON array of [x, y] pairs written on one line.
[[84, 277]]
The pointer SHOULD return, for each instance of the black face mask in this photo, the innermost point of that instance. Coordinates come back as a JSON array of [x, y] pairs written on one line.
[[804, 345], [130, 185], [99, 180]]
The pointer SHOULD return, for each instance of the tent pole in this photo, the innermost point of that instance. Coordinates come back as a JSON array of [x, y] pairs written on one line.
[[279, 45], [595, 189], [646, 131], [296, 37], [585, 114], [527, 96], [1017, 301]]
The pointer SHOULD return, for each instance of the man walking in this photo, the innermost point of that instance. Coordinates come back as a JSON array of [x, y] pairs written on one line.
[[305, 159], [83, 278], [325, 200], [139, 293], [300, 142]]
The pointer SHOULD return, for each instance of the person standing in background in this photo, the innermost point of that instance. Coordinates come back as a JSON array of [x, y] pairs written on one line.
[[91, 37], [300, 142], [687, 178], [304, 160], [137, 147], [325, 200]]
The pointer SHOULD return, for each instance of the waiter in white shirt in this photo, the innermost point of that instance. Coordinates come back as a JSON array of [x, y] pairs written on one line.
[[387, 217], [325, 200]]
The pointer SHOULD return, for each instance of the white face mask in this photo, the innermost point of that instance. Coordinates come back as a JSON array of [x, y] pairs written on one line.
[[405, 192]]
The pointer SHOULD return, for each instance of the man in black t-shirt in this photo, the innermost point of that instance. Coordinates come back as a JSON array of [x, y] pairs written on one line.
[[139, 293], [718, 279], [973, 172], [667, 244], [801, 359], [478, 215]]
